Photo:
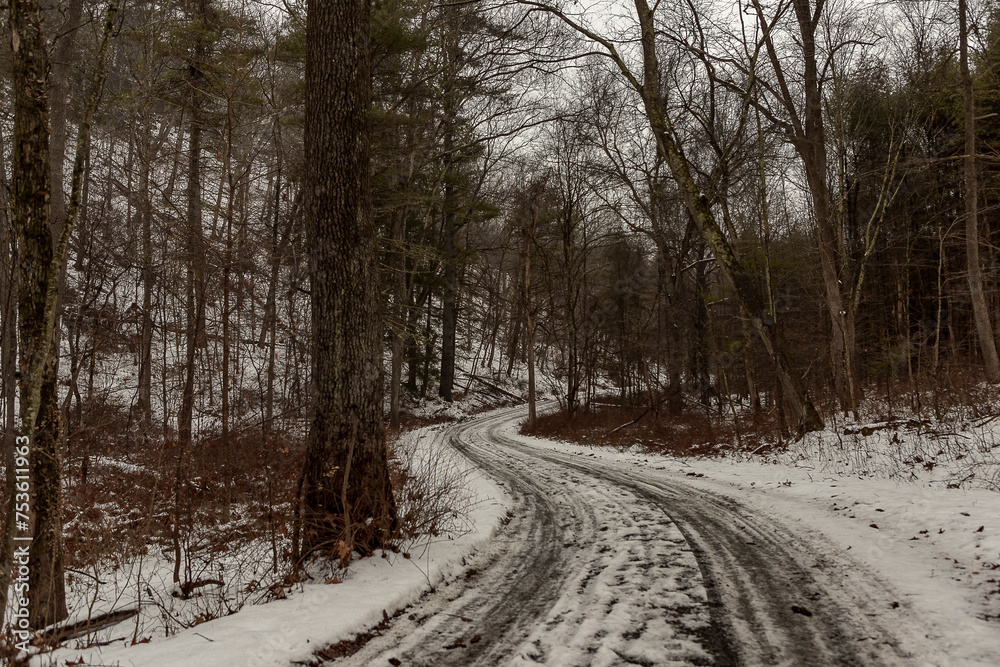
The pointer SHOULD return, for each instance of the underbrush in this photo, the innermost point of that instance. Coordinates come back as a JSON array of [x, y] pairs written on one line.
[[948, 435], [433, 498], [942, 430], [688, 434], [172, 536], [954, 452], [170, 539]]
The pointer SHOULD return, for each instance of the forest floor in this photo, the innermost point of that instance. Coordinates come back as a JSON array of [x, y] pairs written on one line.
[[868, 544]]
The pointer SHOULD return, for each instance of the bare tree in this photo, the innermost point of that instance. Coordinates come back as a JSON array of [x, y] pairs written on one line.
[[752, 301], [980, 311]]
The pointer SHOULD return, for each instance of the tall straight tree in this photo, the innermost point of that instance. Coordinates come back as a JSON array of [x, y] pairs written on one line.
[[347, 494], [8, 366], [980, 311], [42, 256], [38, 276], [201, 18]]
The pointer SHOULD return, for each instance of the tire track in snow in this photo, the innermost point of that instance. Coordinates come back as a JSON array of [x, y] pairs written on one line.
[[584, 573], [603, 566]]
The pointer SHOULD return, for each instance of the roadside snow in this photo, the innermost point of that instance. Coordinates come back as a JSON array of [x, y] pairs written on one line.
[[937, 547], [319, 614]]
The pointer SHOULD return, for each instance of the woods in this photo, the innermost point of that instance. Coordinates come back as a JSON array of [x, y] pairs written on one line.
[[241, 242]]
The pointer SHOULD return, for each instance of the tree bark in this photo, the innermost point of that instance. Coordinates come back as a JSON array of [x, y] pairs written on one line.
[[46, 580], [811, 146], [195, 250], [448, 293], [144, 402], [807, 135], [38, 279], [8, 367], [227, 298], [980, 311], [347, 495]]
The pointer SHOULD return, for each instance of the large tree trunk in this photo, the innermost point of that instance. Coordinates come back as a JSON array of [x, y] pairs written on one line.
[[195, 250], [453, 57], [36, 307], [811, 146], [8, 368], [194, 272], [48, 590], [46, 578], [347, 494], [49, 598], [980, 311]]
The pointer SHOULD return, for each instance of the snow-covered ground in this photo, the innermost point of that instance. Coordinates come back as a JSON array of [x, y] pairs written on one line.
[[317, 613], [938, 547], [897, 500]]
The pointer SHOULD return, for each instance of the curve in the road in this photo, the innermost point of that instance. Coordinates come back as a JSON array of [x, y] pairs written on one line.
[[602, 565]]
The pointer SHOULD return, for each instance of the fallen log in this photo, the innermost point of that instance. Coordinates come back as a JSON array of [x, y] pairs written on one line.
[[61, 633]]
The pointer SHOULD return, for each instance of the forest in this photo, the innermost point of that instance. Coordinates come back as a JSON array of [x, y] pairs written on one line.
[[714, 221]]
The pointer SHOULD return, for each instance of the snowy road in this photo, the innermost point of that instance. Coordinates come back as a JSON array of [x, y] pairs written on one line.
[[601, 564]]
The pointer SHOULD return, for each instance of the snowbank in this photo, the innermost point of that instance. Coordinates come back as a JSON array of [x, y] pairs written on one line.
[[283, 631]]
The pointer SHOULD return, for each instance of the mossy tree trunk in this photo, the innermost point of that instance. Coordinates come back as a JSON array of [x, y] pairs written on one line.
[[41, 258], [31, 216]]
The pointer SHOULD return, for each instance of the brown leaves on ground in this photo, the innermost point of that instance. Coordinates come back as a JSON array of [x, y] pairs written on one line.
[[692, 433]]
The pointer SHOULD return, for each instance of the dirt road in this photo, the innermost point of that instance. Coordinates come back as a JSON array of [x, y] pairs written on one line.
[[605, 565]]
